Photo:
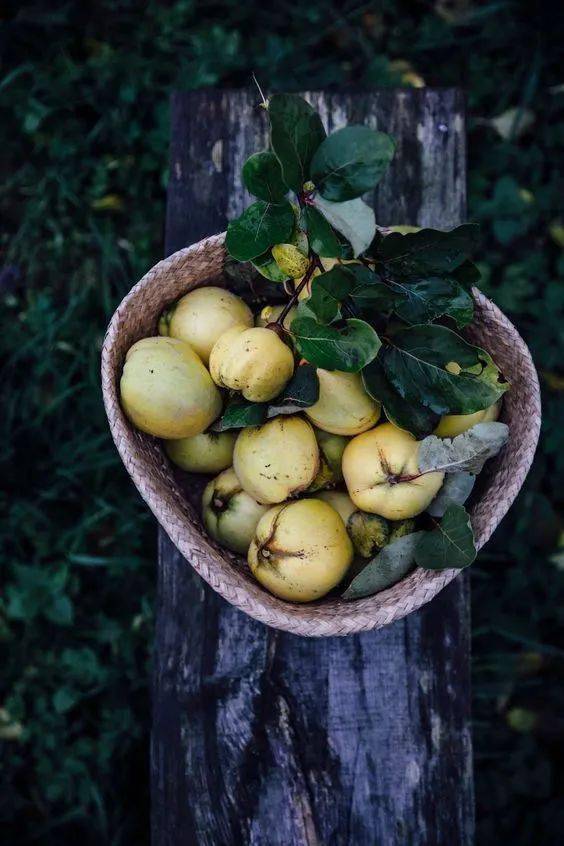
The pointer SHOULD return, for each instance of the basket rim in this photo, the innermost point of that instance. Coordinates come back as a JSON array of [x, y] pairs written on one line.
[[205, 258]]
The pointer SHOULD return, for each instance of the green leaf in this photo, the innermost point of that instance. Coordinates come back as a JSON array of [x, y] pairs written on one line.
[[450, 545], [239, 413], [267, 267], [369, 295], [348, 349], [351, 162], [60, 610], [64, 699], [373, 299], [322, 239], [456, 489], [328, 290], [259, 227], [296, 133], [468, 451], [415, 359], [299, 238], [387, 568], [423, 300], [412, 417], [429, 250], [467, 274], [302, 391], [262, 176], [353, 219]]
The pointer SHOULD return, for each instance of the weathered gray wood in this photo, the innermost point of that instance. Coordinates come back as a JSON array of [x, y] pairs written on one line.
[[260, 737]]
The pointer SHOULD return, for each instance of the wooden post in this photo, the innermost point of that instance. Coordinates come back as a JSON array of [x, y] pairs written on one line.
[[264, 738]]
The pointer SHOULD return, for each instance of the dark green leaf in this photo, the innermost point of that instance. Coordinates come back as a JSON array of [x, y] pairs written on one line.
[[467, 274], [262, 176], [387, 568], [450, 545], [302, 391], [348, 349], [328, 290], [424, 300], [350, 162], [296, 133], [373, 300], [369, 294], [239, 413], [353, 219], [415, 359], [346, 250], [322, 239], [429, 250], [412, 417], [259, 227]]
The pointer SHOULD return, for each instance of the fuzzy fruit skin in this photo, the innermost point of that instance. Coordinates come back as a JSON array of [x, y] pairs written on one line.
[[331, 448], [166, 390], [340, 501], [291, 261], [230, 515], [271, 313], [209, 452], [301, 550], [343, 407], [452, 425], [253, 361], [202, 315], [276, 460], [368, 532], [370, 462]]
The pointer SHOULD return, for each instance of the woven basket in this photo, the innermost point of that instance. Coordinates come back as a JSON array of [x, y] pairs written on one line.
[[173, 497]]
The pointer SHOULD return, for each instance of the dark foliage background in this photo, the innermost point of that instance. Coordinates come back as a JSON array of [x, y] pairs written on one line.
[[84, 116]]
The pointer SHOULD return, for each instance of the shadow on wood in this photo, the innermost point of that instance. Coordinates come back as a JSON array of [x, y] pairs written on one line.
[[260, 737]]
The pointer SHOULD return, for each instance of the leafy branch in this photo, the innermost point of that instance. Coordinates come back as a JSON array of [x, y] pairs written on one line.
[[385, 302]]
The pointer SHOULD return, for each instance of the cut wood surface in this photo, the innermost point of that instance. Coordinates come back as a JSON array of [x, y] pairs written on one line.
[[261, 737]]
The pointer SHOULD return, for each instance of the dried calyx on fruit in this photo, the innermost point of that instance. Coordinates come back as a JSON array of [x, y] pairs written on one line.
[[230, 514]]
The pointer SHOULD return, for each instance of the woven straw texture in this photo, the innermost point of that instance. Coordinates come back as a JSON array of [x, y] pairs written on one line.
[[143, 456]]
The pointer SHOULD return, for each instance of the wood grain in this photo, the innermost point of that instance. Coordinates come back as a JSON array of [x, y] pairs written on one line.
[[261, 737]]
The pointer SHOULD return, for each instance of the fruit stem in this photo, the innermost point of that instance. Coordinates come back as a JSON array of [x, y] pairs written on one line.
[[394, 480], [314, 262]]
